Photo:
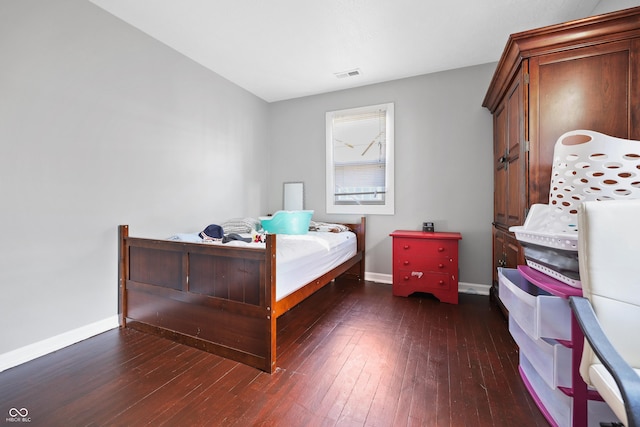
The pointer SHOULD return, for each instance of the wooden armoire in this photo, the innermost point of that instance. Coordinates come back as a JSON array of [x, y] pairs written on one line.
[[583, 74]]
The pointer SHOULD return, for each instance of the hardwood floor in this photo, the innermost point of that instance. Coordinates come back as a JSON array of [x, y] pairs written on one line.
[[351, 355]]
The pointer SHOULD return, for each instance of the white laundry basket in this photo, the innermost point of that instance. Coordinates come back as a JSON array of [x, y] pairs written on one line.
[[586, 166], [590, 166]]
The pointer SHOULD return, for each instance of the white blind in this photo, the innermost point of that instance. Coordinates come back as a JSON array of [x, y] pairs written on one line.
[[360, 157], [359, 167]]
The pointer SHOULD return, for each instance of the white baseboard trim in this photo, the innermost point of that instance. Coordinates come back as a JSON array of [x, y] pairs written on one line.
[[378, 277], [473, 288], [33, 351], [463, 287]]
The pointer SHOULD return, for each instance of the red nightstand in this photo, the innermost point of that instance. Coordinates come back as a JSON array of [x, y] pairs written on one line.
[[426, 262]]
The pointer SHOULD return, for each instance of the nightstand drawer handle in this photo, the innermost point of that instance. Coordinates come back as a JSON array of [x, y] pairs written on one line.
[[441, 282], [405, 247], [440, 265], [440, 249], [417, 274], [406, 263]]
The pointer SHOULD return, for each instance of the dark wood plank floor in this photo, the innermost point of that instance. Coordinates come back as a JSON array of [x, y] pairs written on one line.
[[351, 355]]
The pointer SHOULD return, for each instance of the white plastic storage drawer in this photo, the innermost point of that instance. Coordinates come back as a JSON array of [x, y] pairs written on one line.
[[551, 360], [539, 314], [557, 405]]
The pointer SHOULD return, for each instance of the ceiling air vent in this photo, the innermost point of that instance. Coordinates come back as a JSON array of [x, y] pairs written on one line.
[[350, 73]]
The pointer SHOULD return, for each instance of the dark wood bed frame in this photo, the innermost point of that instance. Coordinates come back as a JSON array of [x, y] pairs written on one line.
[[218, 298]]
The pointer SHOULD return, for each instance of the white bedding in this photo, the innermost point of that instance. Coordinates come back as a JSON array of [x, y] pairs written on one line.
[[299, 258], [303, 258]]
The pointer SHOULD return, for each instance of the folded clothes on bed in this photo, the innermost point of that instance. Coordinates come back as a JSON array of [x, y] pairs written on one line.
[[186, 237], [235, 229], [326, 226], [241, 225], [195, 238], [235, 236]]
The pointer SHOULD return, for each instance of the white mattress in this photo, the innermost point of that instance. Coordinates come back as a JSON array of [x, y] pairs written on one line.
[[303, 258], [299, 258]]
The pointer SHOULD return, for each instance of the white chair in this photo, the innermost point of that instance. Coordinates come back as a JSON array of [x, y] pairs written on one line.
[[609, 312]]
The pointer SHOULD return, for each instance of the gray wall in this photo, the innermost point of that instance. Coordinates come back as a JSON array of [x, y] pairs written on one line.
[[443, 155], [101, 125]]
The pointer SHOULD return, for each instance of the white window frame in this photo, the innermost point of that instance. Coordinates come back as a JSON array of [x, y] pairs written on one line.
[[386, 208]]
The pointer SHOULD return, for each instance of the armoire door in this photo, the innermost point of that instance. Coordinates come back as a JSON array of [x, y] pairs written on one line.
[[510, 156], [585, 88]]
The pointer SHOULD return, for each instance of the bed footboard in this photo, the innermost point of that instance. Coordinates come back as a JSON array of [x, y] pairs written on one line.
[[217, 298], [210, 297]]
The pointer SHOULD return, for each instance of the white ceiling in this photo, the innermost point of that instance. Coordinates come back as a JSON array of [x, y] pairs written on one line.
[[283, 49]]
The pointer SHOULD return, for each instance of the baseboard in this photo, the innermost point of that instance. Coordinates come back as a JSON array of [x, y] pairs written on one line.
[[378, 277], [473, 288], [463, 287], [33, 351]]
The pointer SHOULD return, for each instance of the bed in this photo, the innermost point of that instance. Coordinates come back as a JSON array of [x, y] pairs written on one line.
[[220, 298]]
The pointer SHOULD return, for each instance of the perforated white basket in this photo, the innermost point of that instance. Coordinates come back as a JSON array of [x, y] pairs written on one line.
[[537, 229], [589, 165], [586, 166]]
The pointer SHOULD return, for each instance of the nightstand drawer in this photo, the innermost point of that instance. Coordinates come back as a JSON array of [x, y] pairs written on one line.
[[435, 265], [424, 279], [424, 248]]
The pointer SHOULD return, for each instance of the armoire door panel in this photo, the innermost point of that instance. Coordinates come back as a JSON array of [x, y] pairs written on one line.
[[499, 255], [515, 200], [634, 89], [586, 88], [507, 252], [500, 166], [513, 251]]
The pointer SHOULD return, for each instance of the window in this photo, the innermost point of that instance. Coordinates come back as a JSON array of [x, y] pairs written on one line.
[[360, 160]]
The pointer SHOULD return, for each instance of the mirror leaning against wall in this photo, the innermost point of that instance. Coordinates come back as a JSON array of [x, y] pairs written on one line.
[[293, 196]]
